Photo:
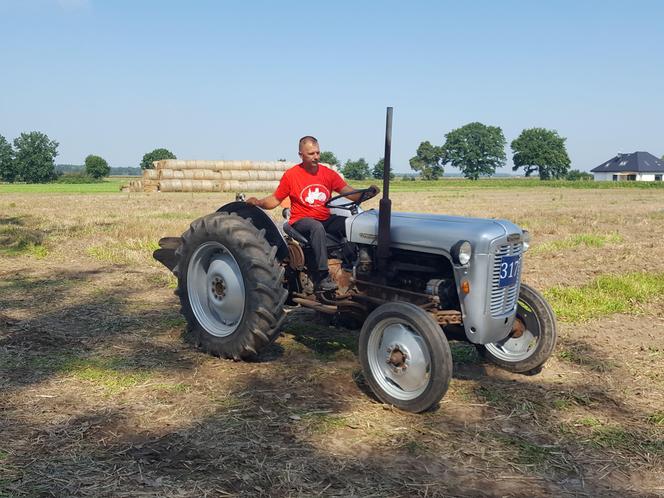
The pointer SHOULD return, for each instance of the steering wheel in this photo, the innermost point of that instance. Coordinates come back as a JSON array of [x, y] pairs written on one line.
[[366, 194]]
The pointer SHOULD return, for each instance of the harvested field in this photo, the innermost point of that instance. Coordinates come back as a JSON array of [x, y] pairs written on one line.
[[100, 395]]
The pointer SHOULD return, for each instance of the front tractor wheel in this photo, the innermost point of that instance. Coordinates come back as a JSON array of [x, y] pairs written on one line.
[[230, 286], [533, 336], [405, 357]]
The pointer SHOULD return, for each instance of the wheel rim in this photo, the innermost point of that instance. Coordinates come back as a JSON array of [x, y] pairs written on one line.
[[399, 359], [216, 289], [514, 349]]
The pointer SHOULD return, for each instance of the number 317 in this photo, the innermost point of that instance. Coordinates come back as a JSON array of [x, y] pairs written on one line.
[[508, 270]]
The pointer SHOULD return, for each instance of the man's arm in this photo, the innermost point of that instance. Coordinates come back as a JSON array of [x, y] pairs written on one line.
[[269, 202], [356, 197]]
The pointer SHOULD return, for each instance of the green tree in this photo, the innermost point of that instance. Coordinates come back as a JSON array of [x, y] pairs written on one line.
[[328, 157], [377, 171], [427, 161], [35, 157], [7, 164], [575, 174], [541, 150], [155, 155], [356, 170], [476, 149], [96, 167]]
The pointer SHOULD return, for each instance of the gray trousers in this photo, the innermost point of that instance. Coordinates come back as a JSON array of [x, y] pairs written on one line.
[[315, 231]]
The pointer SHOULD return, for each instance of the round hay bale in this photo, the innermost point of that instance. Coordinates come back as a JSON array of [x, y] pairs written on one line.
[[170, 185], [166, 174], [204, 186], [249, 186], [269, 176], [240, 175], [136, 186], [151, 174], [217, 165], [205, 174]]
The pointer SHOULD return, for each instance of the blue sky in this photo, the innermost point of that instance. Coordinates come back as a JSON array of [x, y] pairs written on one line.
[[244, 80]]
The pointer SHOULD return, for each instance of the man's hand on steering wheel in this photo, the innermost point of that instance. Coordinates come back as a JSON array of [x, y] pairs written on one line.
[[355, 197], [373, 192]]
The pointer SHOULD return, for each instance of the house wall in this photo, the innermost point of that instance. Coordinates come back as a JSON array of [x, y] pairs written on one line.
[[603, 176], [640, 177]]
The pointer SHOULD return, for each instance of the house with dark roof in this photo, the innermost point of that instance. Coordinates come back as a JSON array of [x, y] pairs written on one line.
[[637, 166]]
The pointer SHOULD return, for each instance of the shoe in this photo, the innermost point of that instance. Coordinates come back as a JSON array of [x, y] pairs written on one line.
[[326, 285]]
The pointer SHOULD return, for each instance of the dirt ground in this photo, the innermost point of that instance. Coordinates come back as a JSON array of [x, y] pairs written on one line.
[[100, 395]]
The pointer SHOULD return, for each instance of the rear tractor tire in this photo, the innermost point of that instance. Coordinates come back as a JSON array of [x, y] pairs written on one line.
[[230, 286], [405, 357], [530, 344]]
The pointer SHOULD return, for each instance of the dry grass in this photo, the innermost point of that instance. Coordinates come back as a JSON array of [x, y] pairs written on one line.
[[100, 395]]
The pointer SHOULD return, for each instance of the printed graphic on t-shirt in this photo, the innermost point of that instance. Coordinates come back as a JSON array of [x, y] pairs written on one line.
[[314, 195]]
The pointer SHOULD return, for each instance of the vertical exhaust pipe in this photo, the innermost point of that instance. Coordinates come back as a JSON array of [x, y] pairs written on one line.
[[385, 204]]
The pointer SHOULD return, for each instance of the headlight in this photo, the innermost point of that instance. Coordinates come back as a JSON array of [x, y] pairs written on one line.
[[525, 238], [461, 252]]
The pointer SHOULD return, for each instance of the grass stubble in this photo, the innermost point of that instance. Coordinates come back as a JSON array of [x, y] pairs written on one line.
[[101, 396]]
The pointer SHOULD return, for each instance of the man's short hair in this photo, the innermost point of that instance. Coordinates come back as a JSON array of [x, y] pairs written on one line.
[[308, 139]]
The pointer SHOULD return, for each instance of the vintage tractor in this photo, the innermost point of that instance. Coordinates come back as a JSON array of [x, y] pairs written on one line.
[[412, 280]]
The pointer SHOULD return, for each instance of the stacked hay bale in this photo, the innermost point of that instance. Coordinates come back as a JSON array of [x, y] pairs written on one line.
[[218, 176], [174, 175], [150, 180], [134, 186]]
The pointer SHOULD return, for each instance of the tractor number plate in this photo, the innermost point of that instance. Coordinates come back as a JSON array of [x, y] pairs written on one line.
[[509, 270]]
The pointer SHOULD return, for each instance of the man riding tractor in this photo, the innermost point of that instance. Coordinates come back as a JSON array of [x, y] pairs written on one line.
[[309, 185]]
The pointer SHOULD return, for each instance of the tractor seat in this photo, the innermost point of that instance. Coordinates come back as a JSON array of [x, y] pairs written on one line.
[[332, 241]]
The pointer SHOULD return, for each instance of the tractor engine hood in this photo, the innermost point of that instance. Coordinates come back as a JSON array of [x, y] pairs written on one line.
[[432, 233]]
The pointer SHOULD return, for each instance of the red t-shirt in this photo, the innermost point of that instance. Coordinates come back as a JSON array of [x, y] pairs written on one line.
[[308, 193]]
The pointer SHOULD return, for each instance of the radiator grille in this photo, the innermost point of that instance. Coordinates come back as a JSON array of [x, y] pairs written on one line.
[[503, 299]]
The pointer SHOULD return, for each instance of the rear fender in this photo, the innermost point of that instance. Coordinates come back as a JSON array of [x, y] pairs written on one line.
[[167, 252], [261, 221]]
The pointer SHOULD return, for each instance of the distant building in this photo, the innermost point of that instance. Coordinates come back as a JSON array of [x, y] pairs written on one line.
[[637, 166]]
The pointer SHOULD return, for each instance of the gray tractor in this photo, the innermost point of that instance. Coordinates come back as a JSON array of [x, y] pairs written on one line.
[[412, 280]]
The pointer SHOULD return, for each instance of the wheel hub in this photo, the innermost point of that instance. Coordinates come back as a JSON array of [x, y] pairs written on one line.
[[397, 358], [218, 288], [518, 328]]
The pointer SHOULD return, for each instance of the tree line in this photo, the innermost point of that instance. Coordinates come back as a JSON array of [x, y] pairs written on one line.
[[478, 150], [30, 158], [356, 170], [475, 149]]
